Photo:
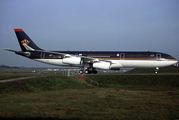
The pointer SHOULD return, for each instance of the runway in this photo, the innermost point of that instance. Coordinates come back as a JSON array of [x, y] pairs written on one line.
[[151, 74], [16, 79]]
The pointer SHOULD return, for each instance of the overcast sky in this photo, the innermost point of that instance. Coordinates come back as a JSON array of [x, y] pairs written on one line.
[[105, 25]]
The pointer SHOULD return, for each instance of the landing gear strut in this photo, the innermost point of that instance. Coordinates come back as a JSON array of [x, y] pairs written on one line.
[[156, 70]]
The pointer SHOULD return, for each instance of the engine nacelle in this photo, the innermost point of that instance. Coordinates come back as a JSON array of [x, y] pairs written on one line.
[[102, 65], [72, 60], [107, 65], [116, 66]]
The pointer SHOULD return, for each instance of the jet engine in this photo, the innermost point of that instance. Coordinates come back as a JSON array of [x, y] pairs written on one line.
[[116, 66], [102, 65], [72, 60], [107, 65]]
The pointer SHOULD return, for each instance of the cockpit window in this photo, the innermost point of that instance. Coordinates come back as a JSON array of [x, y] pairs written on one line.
[[169, 56]]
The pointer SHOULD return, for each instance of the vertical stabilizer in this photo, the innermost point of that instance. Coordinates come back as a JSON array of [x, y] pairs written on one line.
[[24, 41]]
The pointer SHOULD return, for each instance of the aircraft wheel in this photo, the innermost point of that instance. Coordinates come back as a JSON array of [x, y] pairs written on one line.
[[81, 72], [86, 72], [156, 70]]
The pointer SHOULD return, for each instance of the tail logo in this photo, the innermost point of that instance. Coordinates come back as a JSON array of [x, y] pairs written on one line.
[[25, 42]]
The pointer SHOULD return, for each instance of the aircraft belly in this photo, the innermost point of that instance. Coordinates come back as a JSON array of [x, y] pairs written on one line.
[[58, 62], [142, 63], [163, 63]]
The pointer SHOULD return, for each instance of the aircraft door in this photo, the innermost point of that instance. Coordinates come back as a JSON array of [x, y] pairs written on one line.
[[42, 55], [122, 56], [158, 56]]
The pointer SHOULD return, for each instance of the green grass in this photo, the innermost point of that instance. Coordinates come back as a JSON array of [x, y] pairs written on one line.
[[115, 81], [52, 82], [118, 97], [98, 103]]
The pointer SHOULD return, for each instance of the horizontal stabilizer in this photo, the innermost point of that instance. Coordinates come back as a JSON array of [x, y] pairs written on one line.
[[17, 52], [9, 50]]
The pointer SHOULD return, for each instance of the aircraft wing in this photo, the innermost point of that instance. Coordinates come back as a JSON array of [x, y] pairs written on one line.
[[52, 53], [62, 55], [65, 55], [84, 58]]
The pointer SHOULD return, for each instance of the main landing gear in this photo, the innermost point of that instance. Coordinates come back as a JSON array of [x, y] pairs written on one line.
[[156, 70], [87, 71]]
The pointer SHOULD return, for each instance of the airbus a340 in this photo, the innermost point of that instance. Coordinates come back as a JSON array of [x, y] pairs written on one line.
[[92, 60]]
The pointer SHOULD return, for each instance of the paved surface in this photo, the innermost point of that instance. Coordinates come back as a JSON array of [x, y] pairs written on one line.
[[151, 74], [22, 78], [136, 74]]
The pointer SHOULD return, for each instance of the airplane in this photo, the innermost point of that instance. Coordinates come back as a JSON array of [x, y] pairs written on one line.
[[92, 60]]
